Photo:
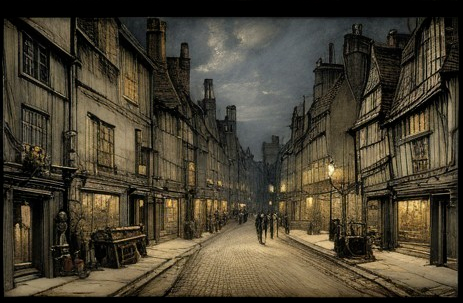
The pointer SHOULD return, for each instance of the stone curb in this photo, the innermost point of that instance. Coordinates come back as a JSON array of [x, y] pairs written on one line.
[[130, 288], [399, 289]]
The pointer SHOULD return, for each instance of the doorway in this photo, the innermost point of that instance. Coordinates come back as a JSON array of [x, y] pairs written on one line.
[[439, 216], [27, 238]]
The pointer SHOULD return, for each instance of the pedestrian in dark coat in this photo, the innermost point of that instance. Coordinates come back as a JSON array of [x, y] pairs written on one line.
[[271, 225], [286, 223], [258, 224], [265, 224]]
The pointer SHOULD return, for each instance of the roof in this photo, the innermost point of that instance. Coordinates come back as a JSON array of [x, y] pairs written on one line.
[[323, 104], [451, 63], [408, 97], [388, 63], [164, 90]]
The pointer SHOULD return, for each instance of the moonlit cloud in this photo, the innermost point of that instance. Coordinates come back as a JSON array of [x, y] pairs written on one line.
[[223, 57], [263, 65]]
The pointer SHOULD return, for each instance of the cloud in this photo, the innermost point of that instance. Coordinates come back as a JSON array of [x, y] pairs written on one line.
[[225, 52], [263, 65]]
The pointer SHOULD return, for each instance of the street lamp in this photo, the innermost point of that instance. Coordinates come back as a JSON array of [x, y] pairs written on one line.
[[352, 245], [331, 224], [343, 191]]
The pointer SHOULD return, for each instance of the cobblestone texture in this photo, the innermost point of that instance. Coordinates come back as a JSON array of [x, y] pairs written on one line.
[[234, 264]]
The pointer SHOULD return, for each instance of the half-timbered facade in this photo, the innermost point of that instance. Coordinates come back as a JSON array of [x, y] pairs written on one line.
[[423, 127], [372, 144], [112, 120], [37, 64]]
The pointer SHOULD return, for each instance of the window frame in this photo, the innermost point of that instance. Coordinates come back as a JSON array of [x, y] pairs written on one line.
[[36, 66], [44, 117], [100, 124]]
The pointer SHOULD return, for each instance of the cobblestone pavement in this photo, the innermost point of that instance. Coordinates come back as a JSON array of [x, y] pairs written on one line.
[[234, 264]]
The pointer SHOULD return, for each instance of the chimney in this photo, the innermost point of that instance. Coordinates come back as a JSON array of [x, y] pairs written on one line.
[[209, 99], [392, 38], [208, 90], [357, 50], [185, 66], [326, 74], [231, 112], [331, 53], [156, 39]]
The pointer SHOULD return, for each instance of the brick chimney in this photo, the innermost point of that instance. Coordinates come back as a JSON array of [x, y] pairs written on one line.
[[357, 50], [185, 67], [331, 53], [395, 39], [208, 103], [156, 39], [326, 74]]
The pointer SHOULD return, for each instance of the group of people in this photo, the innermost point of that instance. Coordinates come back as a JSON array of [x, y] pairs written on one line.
[[269, 222], [216, 221]]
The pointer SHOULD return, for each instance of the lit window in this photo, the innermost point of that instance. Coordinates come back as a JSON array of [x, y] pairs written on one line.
[[191, 174], [130, 71], [141, 154], [99, 211]]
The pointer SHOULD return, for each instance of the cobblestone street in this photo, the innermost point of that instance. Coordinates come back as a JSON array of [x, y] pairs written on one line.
[[234, 264]]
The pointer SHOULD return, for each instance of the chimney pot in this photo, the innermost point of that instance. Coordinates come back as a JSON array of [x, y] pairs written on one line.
[[357, 29], [331, 52]]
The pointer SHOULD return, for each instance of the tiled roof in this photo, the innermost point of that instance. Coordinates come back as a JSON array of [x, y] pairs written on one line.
[[388, 62], [164, 90], [451, 63]]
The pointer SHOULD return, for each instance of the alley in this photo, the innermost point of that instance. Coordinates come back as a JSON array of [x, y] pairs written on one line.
[[234, 264]]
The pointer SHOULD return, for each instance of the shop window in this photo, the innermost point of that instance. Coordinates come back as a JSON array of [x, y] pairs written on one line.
[[100, 211]]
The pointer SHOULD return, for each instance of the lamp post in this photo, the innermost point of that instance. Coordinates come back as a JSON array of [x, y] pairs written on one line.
[[343, 191], [344, 245], [331, 224]]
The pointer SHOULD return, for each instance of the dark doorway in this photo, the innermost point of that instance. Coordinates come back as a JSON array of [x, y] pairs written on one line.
[[137, 210], [439, 206]]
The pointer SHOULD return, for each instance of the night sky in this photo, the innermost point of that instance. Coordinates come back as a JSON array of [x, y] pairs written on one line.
[[263, 65]]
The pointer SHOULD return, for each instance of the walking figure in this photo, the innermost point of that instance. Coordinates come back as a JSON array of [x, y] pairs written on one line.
[[258, 224], [277, 222], [271, 221], [217, 220], [286, 223], [264, 224]]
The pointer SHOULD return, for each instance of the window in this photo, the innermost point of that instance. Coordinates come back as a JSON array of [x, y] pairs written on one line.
[[414, 124], [99, 211], [162, 214], [101, 143], [130, 71], [36, 59], [34, 128], [141, 154], [420, 154], [191, 174]]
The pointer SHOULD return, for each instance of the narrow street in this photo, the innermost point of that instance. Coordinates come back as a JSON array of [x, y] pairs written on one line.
[[234, 264]]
